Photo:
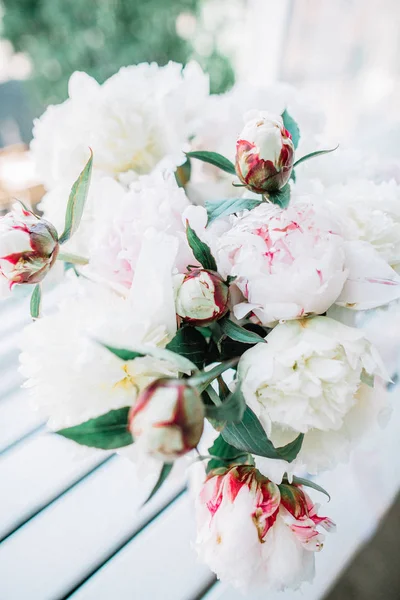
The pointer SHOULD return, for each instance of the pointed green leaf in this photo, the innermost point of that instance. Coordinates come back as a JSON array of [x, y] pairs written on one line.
[[203, 379], [36, 300], [191, 344], [181, 362], [76, 201], [249, 436], [165, 471], [200, 250], [313, 155], [108, 431], [281, 197], [231, 410], [291, 450], [222, 208], [225, 455], [213, 158], [292, 127], [310, 484], [238, 333]]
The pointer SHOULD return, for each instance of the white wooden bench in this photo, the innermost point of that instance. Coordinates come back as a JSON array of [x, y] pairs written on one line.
[[74, 526]]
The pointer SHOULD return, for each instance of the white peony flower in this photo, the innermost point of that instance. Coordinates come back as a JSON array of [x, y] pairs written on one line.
[[140, 118], [252, 532], [295, 262], [70, 375], [167, 420], [367, 211], [122, 218], [28, 248], [308, 379], [288, 263]]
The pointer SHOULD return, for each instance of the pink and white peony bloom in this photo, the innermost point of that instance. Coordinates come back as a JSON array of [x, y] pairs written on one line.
[[124, 216], [296, 262], [167, 419], [308, 379], [71, 377], [252, 532], [28, 248], [288, 263], [201, 296], [139, 119], [264, 153]]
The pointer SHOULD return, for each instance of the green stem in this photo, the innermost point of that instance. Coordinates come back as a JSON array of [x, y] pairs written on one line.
[[72, 258]]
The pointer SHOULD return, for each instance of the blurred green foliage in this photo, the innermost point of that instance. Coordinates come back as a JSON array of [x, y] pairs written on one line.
[[100, 36]]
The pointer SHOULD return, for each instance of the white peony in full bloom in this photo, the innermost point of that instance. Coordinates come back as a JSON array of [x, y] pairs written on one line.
[[122, 218], [140, 118], [308, 379], [71, 377], [367, 211], [295, 262], [253, 533], [222, 121]]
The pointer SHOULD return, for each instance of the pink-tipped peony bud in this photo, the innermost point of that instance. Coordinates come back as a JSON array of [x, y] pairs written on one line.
[[264, 154], [252, 532], [201, 297], [167, 420], [28, 247]]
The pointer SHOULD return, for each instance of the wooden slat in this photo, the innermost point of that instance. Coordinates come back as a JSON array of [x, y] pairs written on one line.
[[36, 471], [16, 418], [158, 563], [74, 536]]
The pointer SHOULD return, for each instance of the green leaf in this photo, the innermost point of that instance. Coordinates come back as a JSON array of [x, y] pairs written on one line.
[[200, 250], [191, 344], [181, 362], [222, 208], [281, 197], [76, 201], [165, 471], [313, 154], [231, 410], [310, 484], [108, 431], [123, 354], [367, 378], [249, 436], [36, 300], [238, 333], [292, 127], [213, 158], [182, 173], [203, 379], [291, 450], [227, 455]]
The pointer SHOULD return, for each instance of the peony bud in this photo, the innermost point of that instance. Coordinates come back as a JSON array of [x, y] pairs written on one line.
[[201, 297], [264, 154], [252, 532], [28, 247], [167, 419]]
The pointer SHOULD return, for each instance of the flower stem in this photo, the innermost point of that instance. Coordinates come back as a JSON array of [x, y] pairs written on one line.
[[72, 258]]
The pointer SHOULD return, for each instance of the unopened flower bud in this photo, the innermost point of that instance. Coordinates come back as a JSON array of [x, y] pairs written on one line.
[[201, 297], [167, 419], [264, 154], [28, 247]]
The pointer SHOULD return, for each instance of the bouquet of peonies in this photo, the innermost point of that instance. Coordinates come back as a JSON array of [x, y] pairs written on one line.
[[209, 276]]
